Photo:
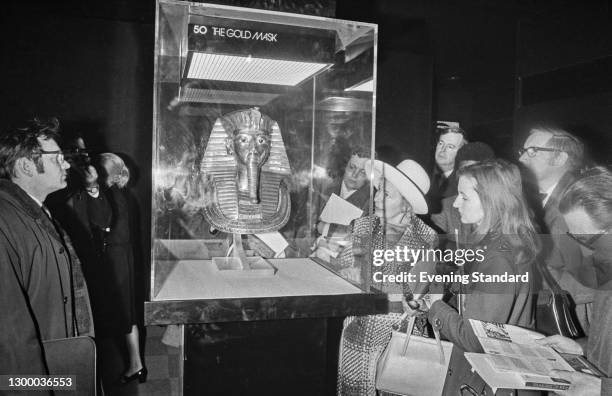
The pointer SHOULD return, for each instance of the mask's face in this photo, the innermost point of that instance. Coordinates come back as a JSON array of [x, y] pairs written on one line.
[[251, 147]]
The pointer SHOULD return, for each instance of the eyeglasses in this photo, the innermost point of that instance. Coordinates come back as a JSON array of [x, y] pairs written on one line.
[[588, 241], [59, 154], [532, 151]]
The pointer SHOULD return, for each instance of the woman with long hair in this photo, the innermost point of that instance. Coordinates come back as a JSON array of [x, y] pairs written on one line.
[[491, 199]]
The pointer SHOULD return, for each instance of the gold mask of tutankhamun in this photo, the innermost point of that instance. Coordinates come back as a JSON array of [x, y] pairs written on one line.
[[246, 163]]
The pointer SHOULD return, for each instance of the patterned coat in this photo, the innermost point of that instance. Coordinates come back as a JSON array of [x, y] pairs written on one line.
[[364, 338]]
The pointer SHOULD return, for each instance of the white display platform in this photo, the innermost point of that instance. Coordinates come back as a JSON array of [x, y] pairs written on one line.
[[200, 279]]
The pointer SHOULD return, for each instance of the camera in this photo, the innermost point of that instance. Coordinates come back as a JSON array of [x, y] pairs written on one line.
[[79, 160]]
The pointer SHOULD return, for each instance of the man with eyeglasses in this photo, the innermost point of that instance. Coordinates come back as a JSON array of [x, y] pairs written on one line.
[[587, 209], [554, 157], [36, 285]]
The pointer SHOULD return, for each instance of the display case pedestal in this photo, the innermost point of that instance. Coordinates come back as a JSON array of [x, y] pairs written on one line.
[[270, 344], [239, 265], [280, 357]]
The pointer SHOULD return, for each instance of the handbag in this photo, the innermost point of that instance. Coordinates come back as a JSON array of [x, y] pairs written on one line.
[[557, 315], [413, 365]]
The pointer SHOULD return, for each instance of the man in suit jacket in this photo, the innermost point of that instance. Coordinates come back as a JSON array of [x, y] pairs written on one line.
[[586, 208], [443, 181], [355, 189], [554, 156]]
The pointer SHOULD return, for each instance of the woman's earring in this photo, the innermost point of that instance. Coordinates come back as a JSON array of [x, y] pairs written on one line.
[[407, 210]]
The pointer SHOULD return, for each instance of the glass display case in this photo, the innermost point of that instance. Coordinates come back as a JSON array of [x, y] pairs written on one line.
[[256, 116]]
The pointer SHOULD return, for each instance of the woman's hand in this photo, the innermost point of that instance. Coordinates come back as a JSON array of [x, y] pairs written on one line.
[[432, 298], [321, 227], [331, 244], [413, 305], [582, 384], [561, 344], [420, 302]]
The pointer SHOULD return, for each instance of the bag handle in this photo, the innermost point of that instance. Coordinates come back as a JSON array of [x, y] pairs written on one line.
[[465, 388], [550, 280], [565, 320], [410, 327]]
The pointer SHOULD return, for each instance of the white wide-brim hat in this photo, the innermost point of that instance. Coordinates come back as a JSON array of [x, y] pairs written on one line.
[[408, 177]]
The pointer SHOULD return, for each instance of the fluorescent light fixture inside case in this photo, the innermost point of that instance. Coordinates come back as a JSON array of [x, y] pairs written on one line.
[[366, 86], [226, 97], [246, 69]]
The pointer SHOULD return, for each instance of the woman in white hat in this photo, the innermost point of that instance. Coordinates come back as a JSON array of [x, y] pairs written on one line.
[[400, 197]]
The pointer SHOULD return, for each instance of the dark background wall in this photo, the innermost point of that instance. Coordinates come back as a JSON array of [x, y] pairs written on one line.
[[478, 51], [91, 64], [564, 62]]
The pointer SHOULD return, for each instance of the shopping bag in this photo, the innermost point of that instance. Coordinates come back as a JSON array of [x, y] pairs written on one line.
[[413, 365]]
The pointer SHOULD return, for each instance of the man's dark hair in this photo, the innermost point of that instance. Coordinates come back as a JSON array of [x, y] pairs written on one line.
[[592, 192], [23, 142], [361, 151], [474, 151]]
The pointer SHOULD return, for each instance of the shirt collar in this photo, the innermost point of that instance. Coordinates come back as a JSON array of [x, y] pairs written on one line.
[[35, 199], [345, 192], [548, 193]]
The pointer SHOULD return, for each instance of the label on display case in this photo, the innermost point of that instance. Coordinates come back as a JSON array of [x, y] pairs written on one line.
[[234, 33], [259, 39]]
